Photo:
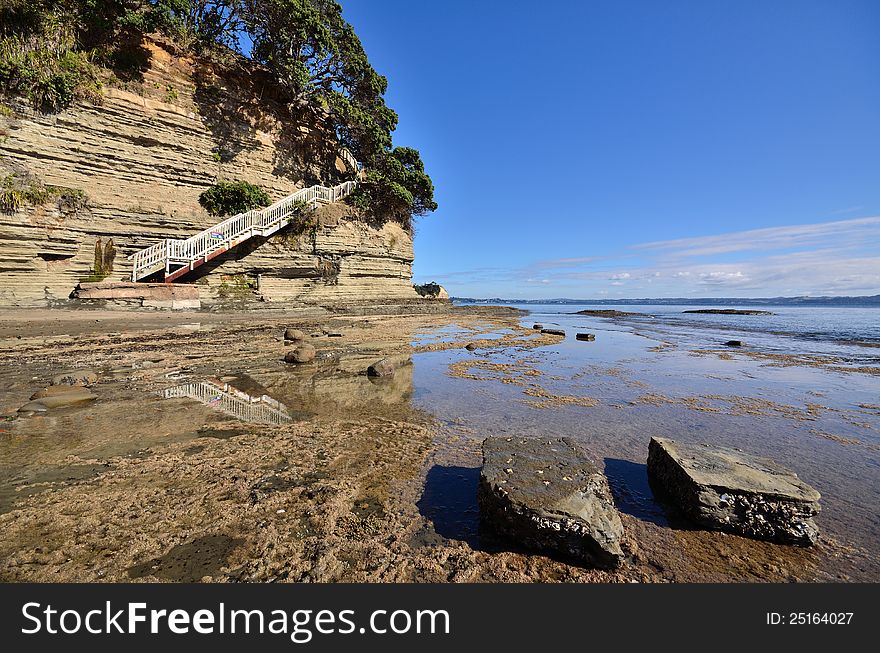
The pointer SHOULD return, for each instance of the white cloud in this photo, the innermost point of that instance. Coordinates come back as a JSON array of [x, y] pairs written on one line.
[[834, 258], [773, 238]]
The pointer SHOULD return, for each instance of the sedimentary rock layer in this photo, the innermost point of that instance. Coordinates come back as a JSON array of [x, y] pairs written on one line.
[[145, 155]]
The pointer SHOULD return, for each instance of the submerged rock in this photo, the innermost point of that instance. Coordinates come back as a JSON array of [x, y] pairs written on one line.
[[294, 335], [381, 368], [302, 354], [734, 343], [76, 377], [728, 490], [727, 311], [553, 332], [605, 312], [547, 494], [586, 336]]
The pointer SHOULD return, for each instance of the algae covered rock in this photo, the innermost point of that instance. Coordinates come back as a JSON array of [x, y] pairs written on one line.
[[547, 494], [728, 490]]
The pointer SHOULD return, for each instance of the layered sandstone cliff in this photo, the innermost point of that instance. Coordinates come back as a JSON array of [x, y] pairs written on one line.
[[144, 156]]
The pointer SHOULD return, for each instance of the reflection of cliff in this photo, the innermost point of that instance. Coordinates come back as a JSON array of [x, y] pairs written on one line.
[[228, 399], [340, 387]]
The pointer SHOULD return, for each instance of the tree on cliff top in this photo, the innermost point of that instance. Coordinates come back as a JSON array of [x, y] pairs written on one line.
[[311, 51], [317, 58]]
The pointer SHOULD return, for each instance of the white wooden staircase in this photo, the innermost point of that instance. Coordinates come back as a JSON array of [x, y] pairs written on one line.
[[178, 257]]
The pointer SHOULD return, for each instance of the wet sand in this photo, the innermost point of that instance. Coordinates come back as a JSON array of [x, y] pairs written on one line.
[[206, 457]]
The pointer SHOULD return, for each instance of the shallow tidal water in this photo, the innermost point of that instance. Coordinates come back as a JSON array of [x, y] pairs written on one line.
[[631, 383], [246, 463]]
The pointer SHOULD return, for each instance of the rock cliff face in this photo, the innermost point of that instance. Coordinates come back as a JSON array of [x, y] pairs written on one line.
[[144, 156]]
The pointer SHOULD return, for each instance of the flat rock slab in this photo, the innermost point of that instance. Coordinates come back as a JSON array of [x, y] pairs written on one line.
[[553, 332], [547, 494], [728, 490]]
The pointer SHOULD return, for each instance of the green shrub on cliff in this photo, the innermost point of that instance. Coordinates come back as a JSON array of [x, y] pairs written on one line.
[[233, 197], [17, 191]]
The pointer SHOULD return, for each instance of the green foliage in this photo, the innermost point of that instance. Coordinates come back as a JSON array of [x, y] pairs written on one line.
[[46, 68], [50, 51], [396, 186], [198, 25], [427, 289], [16, 192], [233, 197], [317, 58]]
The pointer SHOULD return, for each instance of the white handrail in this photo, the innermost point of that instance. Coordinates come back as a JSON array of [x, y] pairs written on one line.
[[236, 228]]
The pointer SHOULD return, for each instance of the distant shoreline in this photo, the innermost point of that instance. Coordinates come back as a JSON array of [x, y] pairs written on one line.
[[866, 301]]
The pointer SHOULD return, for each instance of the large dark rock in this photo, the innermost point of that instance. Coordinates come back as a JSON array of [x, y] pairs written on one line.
[[470, 346], [547, 494], [553, 332], [728, 490], [586, 336], [734, 343]]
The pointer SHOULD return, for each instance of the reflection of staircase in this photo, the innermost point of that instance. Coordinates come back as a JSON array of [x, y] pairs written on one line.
[[228, 399], [177, 257]]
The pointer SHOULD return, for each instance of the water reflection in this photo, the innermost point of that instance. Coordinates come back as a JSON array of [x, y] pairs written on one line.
[[228, 399]]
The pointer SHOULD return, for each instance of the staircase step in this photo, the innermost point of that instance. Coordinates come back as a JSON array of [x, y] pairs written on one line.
[[281, 217]]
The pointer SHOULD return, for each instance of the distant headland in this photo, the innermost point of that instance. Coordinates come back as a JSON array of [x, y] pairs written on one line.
[[865, 300]]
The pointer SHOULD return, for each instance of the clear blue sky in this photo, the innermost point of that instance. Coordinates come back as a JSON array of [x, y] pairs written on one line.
[[639, 148]]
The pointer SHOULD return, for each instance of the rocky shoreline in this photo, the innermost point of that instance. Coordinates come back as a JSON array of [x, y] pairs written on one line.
[[331, 474]]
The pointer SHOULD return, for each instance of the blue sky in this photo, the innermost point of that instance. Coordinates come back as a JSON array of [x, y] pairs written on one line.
[[638, 148]]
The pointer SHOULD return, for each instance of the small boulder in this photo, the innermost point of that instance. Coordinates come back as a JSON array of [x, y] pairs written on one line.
[[302, 354], [586, 336], [76, 377], [553, 332], [734, 343], [547, 494], [334, 334], [538, 326], [470, 346], [381, 368], [728, 490], [294, 335]]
